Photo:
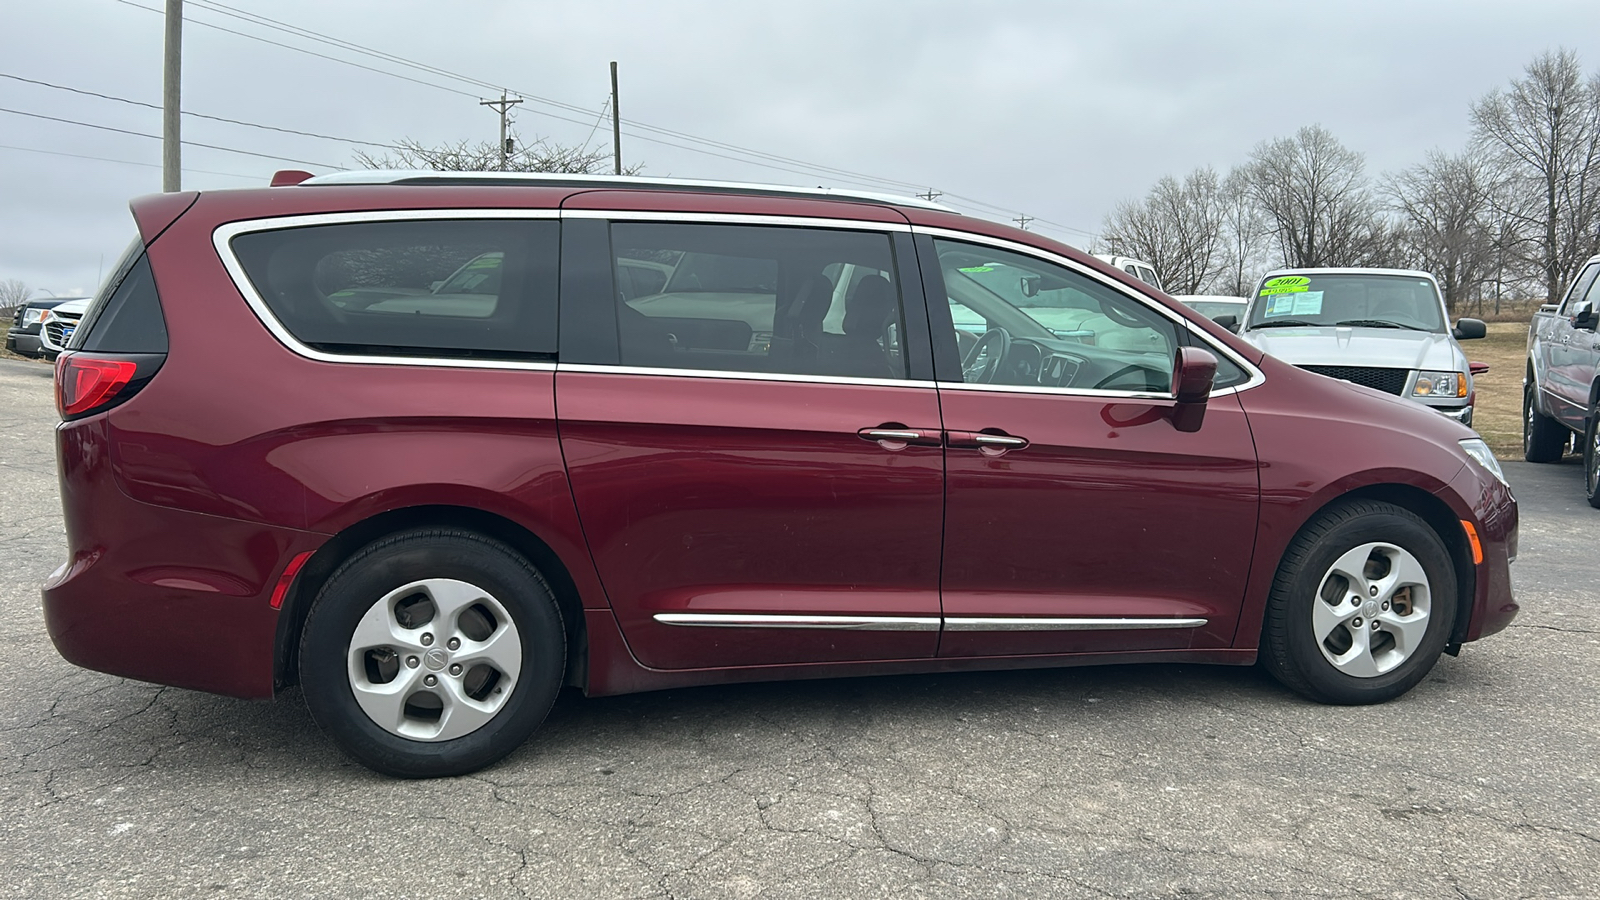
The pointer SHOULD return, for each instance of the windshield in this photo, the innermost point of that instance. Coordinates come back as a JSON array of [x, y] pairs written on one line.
[[1357, 300], [1213, 308], [479, 276]]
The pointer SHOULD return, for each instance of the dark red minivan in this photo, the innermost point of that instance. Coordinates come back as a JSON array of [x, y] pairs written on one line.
[[435, 445]]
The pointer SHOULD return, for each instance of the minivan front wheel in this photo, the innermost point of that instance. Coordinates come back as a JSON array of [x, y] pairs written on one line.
[[432, 652], [1362, 606]]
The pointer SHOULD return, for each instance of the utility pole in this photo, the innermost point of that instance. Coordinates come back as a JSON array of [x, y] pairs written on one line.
[[616, 121], [1022, 221], [171, 83], [503, 107], [931, 195]]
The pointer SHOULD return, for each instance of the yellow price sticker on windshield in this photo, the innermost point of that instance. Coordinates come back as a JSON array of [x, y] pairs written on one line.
[[977, 268], [1288, 284]]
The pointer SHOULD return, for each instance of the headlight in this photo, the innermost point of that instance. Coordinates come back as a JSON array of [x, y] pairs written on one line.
[[32, 316], [1440, 384], [1479, 451]]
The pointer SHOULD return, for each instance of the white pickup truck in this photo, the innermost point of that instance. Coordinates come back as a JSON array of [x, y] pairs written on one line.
[[1561, 389]]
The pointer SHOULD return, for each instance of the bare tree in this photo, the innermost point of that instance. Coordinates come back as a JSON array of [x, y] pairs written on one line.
[[541, 155], [1244, 231], [1446, 221], [1317, 201], [13, 294], [1177, 228], [1544, 134]]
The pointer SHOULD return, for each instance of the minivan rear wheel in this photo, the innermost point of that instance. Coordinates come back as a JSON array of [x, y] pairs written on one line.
[[432, 652], [1363, 603]]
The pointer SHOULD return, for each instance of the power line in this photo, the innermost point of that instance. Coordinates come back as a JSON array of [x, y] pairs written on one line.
[[810, 169], [263, 40], [772, 160], [157, 137], [126, 162], [157, 106]]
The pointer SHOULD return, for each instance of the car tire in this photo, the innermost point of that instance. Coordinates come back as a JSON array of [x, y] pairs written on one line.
[[1363, 603], [432, 652], [1543, 438], [1591, 458]]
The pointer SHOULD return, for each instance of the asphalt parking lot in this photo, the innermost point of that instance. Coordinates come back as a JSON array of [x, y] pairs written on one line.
[[1149, 781]]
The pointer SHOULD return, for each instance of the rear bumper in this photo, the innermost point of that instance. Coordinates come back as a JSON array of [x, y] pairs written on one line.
[[159, 594]]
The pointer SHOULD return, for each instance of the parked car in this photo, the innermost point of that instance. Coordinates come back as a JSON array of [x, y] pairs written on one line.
[[23, 336], [433, 518], [56, 328], [1386, 329], [1138, 268], [1214, 306], [1561, 387]]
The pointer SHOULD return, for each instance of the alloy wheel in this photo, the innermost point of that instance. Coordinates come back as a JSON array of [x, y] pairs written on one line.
[[1372, 609], [434, 660]]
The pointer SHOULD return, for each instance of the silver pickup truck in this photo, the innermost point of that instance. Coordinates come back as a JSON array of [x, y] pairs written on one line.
[[1386, 329], [1561, 389]]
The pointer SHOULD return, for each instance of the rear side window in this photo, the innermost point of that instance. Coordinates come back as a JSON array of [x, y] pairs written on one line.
[[775, 299], [449, 288], [126, 317]]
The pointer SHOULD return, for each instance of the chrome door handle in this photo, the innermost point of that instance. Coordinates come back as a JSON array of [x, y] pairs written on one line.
[[999, 440], [986, 443], [896, 437]]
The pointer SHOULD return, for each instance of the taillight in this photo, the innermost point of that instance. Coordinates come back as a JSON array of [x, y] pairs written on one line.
[[85, 384]]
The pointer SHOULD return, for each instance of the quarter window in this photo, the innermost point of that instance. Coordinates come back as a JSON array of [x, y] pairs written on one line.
[[1021, 321], [459, 288], [758, 299]]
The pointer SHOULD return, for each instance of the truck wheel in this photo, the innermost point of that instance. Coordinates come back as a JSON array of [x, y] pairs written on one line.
[[432, 652], [1591, 458], [1362, 605], [1543, 438]]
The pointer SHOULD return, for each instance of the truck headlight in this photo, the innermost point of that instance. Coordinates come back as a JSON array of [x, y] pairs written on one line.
[[1440, 384], [1479, 451]]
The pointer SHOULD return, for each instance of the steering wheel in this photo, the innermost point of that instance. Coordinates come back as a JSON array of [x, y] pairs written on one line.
[[985, 358]]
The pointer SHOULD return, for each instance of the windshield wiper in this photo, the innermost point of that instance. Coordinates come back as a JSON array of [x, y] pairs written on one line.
[[1284, 323], [1379, 323]]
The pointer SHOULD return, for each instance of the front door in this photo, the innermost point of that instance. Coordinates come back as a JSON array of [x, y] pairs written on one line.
[[1077, 518], [759, 479]]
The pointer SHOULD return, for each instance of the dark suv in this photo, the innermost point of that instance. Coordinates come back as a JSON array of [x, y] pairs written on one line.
[[26, 324], [436, 445]]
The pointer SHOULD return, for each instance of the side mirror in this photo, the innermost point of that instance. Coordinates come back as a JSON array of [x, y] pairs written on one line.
[[1228, 321], [1584, 316], [1193, 371], [1469, 329], [1477, 368]]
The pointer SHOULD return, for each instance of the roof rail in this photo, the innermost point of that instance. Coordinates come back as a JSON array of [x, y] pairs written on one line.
[[555, 179]]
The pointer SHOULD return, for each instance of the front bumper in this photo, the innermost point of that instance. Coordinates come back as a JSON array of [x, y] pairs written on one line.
[[1493, 512], [1462, 414], [23, 342]]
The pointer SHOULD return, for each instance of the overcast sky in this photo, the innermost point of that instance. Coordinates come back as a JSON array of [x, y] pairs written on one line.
[[1054, 109]]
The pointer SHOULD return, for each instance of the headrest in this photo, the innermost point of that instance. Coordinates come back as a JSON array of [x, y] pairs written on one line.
[[870, 305]]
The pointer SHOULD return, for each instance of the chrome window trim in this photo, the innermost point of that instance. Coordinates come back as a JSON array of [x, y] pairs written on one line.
[[223, 235], [1040, 623], [761, 620], [1255, 379], [708, 218], [731, 375]]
